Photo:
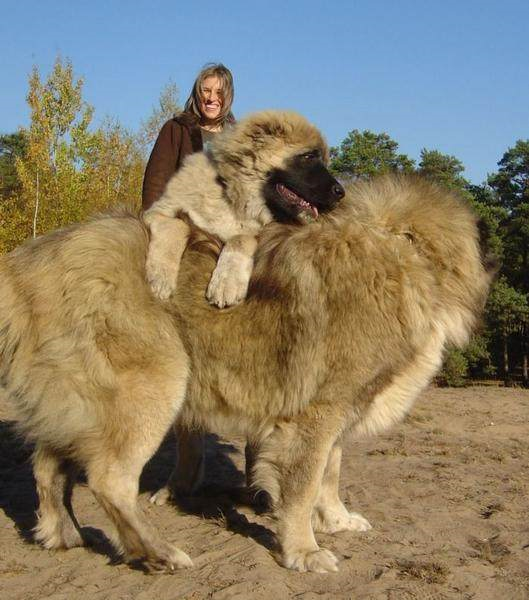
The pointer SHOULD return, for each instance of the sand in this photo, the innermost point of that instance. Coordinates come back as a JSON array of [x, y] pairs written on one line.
[[446, 493]]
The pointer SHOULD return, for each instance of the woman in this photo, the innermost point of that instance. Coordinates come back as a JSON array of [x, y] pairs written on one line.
[[206, 112]]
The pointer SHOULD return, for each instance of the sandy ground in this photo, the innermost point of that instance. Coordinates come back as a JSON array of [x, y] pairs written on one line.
[[446, 493]]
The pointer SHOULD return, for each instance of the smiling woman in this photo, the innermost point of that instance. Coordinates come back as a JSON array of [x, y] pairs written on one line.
[[211, 98], [206, 112]]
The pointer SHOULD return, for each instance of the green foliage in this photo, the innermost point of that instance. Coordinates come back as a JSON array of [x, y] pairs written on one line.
[[516, 247], [507, 309], [483, 194], [511, 182], [494, 218], [444, 169], [12, 146], [365, 154], [511, 187], [478, 356], [455, 368], [508, 306], [507, 314]]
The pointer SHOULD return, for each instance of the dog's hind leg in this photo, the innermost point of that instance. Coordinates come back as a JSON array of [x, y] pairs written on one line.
[[55, 527], [143, 410], [115, 485], [330, 514]]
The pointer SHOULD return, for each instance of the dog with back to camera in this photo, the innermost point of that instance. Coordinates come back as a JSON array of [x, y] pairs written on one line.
[[346, 321]]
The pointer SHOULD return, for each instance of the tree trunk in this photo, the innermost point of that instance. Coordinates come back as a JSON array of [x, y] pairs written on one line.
[[36, 213]]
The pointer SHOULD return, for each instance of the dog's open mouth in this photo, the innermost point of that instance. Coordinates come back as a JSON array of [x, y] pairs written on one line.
[[304, 208]]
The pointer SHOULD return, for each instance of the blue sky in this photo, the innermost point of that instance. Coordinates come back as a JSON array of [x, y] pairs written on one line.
[[447, 75]]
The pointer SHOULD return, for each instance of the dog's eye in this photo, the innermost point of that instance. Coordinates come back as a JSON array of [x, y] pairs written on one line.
[[312, 155]]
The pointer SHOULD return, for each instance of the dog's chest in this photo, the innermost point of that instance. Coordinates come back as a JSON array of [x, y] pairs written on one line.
[[220, 220]]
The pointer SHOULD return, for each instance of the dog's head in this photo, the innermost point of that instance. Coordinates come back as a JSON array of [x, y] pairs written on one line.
[[278, 159], [302, 187]]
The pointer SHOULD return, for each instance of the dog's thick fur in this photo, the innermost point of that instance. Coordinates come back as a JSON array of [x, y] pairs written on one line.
[[271, 164], [346, 321]]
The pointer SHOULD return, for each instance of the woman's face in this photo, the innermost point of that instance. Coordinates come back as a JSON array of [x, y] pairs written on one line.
[[211, 98]]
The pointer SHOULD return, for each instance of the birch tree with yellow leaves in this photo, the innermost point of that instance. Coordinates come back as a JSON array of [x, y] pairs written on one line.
[[68, 170]]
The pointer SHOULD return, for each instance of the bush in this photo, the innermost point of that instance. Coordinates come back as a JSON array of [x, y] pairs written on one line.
[[454, 371]]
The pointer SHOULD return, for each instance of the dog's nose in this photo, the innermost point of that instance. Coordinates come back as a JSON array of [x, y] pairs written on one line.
[[338, 191]]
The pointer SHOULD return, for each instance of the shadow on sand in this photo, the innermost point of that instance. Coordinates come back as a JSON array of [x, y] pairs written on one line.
[[223, 490]]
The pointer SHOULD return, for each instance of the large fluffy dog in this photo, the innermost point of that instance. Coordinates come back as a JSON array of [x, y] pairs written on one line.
[[346, 321], [270, 165]]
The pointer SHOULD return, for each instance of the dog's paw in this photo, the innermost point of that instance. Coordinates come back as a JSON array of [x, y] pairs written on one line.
[[227, 287], [162, 276], [315, 561], [167, 559], [57, 536], [332, 520]]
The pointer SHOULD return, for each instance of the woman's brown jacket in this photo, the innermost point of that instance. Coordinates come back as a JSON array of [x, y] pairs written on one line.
[[179, 137]]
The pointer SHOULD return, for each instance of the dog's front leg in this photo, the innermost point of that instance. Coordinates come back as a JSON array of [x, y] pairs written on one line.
[[229, 282], [167, 244]]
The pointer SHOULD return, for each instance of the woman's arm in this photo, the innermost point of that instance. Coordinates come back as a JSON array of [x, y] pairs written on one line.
[[162, 163]]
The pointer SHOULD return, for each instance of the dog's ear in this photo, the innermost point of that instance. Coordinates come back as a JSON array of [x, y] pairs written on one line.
[[267, 126]]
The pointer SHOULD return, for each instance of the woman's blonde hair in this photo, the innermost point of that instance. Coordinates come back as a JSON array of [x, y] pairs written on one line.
[[192, 104]]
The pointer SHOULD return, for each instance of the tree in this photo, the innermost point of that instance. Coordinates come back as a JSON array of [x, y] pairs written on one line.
[[478, 355], [365, 154], [484, 194], [516, 260], [503, 203], [507, 315], [12, 146], [114, 171], [58, 140], [494, 216], [442, 168], [68, 169], [511, 185], [455, 369], [511, 182], [168, 106]]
